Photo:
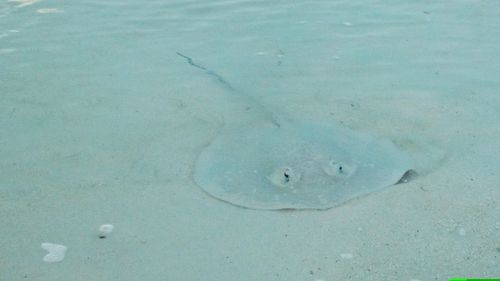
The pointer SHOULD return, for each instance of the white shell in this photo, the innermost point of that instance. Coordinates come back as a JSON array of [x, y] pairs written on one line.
[[56, 252], [106, 228]]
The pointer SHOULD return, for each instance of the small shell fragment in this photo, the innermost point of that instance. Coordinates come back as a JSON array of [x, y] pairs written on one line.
[[55, 253], [105, 229]]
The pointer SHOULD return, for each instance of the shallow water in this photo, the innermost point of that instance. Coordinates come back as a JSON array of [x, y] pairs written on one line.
[[102, 123]]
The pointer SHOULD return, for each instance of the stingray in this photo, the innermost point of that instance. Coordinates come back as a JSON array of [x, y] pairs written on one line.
[[269, 164]]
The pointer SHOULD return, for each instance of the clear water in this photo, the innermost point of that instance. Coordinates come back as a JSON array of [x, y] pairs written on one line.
[[101, 122]]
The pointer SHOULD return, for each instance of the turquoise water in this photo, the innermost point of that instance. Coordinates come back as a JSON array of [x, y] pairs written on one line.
[[102, 122]]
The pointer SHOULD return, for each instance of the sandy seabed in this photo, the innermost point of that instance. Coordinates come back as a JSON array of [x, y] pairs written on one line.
[[102, 123]]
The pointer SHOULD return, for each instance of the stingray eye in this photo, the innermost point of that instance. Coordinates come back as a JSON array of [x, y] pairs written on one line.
[[284, 177], [335, 168]]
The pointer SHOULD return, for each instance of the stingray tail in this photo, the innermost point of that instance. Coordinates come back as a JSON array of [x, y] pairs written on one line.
[[271, 116]]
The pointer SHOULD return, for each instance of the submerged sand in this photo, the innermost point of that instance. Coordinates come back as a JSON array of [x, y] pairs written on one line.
[[102, 123]]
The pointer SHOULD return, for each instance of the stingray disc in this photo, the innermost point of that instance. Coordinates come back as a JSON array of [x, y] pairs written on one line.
[[297, 167]]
